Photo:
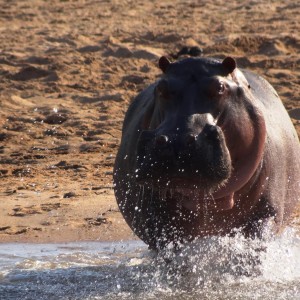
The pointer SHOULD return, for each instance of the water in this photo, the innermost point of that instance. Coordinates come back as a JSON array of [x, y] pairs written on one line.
[[212, 268]]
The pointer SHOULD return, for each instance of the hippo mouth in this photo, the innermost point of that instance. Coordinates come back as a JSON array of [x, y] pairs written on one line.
[[192, 194], [200, 200]]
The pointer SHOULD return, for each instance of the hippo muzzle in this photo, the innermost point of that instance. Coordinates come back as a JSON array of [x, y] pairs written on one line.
[[192, 156]]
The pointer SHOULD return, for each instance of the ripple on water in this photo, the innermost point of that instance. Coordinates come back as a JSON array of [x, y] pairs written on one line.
[[211, 268]]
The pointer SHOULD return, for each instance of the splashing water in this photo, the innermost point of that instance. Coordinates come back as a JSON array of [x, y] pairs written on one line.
[[210, 268]]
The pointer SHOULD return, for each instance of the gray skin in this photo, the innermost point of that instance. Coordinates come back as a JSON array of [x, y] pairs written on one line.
[[206, 150]]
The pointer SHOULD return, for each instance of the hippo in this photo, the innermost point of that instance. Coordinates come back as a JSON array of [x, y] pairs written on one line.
[[207, 150]]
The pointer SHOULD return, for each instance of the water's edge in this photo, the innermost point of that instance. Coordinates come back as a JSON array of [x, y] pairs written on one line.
[[212, 268]]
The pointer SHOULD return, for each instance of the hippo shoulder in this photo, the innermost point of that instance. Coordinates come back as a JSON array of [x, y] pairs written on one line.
[[282, 149], [261, 88], [276, 117]]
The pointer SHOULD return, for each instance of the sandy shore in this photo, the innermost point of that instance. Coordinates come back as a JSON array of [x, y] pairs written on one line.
[[68, 71]]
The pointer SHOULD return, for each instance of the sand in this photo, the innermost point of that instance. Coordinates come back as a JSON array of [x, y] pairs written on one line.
[[68, 71]]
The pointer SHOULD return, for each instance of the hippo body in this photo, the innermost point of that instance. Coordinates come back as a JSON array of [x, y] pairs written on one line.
[[208, 149]]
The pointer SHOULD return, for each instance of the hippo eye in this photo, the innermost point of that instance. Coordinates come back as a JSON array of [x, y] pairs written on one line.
[[162, 89], [221, 88], [216, 88]]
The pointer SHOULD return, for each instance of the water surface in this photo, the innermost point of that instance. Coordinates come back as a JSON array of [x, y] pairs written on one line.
[[212, 268]]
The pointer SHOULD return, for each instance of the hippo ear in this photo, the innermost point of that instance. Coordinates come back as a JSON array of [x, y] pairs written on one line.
[[163, 63], [229, 64]]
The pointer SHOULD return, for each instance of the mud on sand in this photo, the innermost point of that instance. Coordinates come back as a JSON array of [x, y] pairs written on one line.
[[69, 69]]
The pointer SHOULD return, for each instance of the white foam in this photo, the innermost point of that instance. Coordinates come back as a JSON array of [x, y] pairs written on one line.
[[211, 268]]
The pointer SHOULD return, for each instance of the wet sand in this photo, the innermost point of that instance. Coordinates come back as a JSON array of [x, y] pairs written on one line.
[[68, 71]]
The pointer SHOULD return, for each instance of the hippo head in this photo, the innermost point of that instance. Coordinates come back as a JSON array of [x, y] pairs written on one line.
[[189, 144]]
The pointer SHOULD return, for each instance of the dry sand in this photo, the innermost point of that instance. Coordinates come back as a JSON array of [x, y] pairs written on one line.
[[69, 69]]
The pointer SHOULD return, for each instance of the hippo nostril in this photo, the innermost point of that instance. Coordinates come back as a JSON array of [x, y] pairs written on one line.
[[146, 136], [190, 139], [161, 140], [210, 131]]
